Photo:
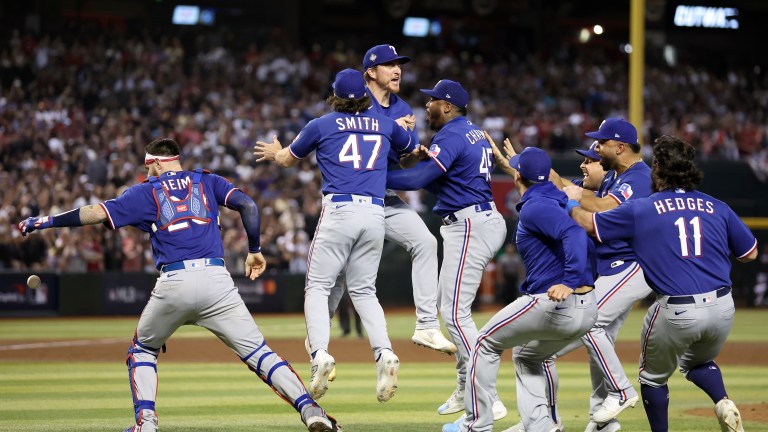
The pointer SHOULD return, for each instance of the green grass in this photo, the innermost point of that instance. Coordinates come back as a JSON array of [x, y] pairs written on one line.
[[62, 397], [65, 397], [750, 325]]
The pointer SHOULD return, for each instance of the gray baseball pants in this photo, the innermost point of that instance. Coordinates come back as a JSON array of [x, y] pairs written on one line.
[[207, 297], [536, 328], [349, 235], [403, 226]]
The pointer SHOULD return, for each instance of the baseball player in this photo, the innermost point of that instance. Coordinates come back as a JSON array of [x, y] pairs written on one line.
[[459, 174], [544, 320], [683, 239], [403, 226], [179, 209], [620, 282], [351, 145]]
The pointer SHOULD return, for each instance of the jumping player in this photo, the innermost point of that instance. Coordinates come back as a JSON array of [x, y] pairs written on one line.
[[351, 145], [459, 174], [404, 227], [179, 209], [683, 239]]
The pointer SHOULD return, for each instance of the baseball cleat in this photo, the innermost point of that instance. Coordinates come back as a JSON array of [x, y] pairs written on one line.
[[322, 365], [611, 426], [454, 404], [518, 427], [319, 424], [612, 407], [332, 375], [455, 426], [728, 416], [433, 338], [499, 410], [386, 368]]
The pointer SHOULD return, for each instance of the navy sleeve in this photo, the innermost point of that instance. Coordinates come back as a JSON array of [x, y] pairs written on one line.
[[416, 178], [306, 141], [617, 223], [402, 141], [134, 207], [249, 214], [555, 224], [740, 239]]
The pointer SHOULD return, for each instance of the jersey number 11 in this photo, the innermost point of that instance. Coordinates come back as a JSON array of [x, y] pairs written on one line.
[[683, 235]]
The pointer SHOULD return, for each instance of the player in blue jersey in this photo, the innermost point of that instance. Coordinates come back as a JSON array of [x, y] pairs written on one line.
[[403, 226], [683, 239], [616, 293], [352, 144], [558, 305], [179, 210], [459, 174], [621, 282]]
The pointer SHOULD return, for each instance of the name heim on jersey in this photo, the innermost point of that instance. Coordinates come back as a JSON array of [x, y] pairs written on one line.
[[358, 123]]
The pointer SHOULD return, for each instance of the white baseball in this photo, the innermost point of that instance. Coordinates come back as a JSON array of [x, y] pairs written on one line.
[[33, 281]]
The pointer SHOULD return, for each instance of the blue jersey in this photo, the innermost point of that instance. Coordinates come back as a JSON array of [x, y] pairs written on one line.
[[351, 150], [397, 108], [465, 156], [554, 249], [615, 255], [180, 239], [682, 239]]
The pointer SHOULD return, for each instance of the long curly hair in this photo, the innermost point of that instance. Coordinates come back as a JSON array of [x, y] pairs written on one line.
[[673, 165], [349, 106]]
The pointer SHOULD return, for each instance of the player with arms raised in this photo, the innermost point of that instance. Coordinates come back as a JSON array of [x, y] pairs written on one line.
[[351, 143], [179, 209]]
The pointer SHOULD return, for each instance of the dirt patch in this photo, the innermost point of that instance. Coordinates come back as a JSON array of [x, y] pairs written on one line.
[[755, 413], [343, 349]]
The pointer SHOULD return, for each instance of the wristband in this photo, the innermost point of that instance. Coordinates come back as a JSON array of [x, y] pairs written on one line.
[[571, 204]]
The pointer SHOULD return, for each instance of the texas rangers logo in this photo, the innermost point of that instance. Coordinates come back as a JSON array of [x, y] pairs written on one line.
[[625, 190], [434, 150]]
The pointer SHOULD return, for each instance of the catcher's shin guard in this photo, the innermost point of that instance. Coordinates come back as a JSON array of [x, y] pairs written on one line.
[[279, 375], [142, 375]]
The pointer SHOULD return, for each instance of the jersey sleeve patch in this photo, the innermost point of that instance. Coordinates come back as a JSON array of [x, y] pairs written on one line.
[[434, 150], [625, 190]]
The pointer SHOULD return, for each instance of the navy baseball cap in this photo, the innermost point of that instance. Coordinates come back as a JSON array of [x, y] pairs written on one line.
[[449, 91], [533, 164], [381, 54], [590, 152], [349, 84], [616, 129]]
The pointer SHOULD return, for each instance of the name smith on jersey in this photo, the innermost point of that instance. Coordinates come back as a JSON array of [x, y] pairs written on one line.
[[358, 123]]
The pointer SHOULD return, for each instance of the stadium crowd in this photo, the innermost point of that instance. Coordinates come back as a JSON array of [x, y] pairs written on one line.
[[76, 111]]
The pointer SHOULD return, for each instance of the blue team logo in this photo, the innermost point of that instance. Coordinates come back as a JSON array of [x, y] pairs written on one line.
[[434, 150], [625, 190]]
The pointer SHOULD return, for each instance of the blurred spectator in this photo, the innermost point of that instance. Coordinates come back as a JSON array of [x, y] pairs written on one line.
[[76, 109]]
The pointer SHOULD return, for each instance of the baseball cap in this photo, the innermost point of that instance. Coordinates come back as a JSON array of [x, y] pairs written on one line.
[[590, 152], [349, 84], [533, 164], [616, 129], [449, 91], [381, 54]]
